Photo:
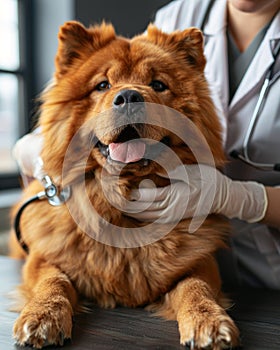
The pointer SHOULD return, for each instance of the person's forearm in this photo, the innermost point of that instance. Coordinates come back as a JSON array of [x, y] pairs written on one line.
[[272, 215]]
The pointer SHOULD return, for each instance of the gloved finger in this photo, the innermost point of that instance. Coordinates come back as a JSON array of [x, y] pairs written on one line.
[[137, 206], [150, 194], [188, 173], [26, 150], [180, 173], [161, 216], [146, 215]]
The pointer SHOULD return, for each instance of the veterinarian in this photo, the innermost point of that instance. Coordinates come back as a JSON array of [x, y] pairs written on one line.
[[243, 69], [242, 39]]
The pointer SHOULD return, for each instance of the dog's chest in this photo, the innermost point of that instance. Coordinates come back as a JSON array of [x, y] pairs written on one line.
[[130, 277]]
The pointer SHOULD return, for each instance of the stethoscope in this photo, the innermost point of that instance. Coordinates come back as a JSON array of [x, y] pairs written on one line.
[[244, 154], [54, 195]]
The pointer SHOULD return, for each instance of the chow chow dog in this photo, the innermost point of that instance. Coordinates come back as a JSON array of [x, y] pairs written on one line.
[[97, 141]]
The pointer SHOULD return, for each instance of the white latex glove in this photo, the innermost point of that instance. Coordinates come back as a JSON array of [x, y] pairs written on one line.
[[198, 190], [26, 151]]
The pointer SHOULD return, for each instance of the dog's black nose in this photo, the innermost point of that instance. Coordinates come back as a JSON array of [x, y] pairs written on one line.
[[128, 100]]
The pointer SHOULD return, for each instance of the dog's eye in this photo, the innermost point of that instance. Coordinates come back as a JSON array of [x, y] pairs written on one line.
[[158, 86], [104, 85]]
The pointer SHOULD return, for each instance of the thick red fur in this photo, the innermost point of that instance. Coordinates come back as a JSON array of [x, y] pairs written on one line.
[[176, 275]]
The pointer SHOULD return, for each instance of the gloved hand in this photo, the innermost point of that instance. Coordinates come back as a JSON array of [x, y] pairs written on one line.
[[26, 151], [198, 190]]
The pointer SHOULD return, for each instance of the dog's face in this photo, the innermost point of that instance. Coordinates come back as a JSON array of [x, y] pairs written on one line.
[[109, 86]]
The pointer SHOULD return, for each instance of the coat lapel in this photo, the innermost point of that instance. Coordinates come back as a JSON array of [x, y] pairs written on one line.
[[216, 51]]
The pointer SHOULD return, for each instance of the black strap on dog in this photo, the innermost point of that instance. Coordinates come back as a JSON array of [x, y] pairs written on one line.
[[54, 197], [35, 198]]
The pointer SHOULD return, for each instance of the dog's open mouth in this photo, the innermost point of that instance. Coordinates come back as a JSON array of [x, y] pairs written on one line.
[[129, 147]]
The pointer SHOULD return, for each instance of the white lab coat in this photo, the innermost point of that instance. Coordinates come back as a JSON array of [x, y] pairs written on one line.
[[256, 243]]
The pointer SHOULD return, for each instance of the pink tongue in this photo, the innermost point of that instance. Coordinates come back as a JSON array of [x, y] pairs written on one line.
[[127, 152]]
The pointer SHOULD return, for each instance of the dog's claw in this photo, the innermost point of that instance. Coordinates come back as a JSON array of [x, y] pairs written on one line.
[[191, 345]]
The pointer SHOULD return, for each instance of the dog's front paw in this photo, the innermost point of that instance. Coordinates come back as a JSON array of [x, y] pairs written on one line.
[[44, 323], [207, 330]]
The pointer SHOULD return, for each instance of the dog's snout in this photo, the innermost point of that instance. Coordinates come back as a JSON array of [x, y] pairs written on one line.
[[125, 98]]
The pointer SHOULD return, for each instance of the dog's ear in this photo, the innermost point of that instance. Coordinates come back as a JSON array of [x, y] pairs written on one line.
[[76, 43], [187, 44]]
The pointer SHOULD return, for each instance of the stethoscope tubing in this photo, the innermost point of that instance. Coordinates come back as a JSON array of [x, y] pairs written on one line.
[[254, 119], [269, 79]]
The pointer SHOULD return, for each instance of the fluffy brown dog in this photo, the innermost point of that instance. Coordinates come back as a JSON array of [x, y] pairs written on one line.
[[106, 82]]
